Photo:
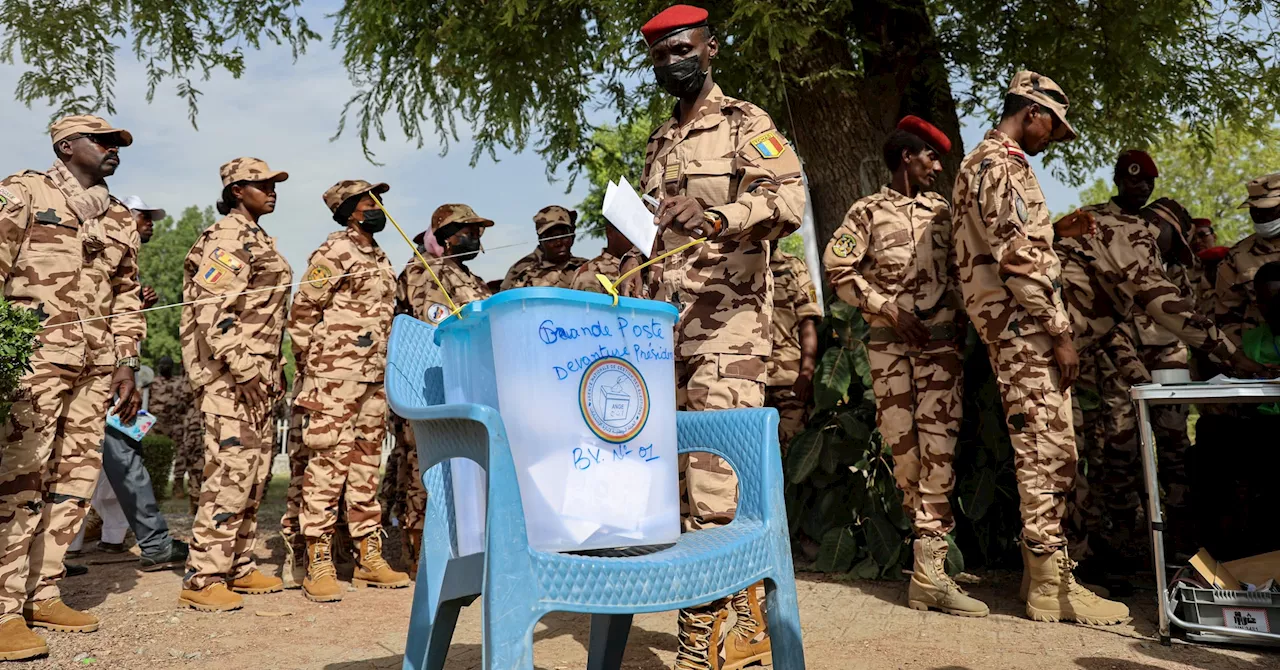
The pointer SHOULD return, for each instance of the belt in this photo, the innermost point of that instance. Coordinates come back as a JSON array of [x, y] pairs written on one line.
[[943, 332]]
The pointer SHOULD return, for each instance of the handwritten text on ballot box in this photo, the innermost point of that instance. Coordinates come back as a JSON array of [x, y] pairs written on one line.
[[586, 391]]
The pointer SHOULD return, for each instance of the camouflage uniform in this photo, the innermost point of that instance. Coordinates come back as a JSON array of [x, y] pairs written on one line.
[[1237, 306], [794, 300], [339, 327], [893, 252], [169, 399], [605, 264], [68, 253], [535, 269], [232, 336], [298, 455], [193, 449], [723, 287]]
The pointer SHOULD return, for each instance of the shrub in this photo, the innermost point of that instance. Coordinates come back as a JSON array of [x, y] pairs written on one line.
[[157, 458], [18, 329]]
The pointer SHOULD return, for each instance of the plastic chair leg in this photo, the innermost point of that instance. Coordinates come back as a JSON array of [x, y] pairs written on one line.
[[508, 637], [608, 641], [781, 608], [442, 634]]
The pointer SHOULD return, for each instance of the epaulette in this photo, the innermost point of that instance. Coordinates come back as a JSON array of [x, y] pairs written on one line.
[[1015, 151]]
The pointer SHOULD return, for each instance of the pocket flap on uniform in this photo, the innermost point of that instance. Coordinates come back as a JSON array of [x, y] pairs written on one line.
[[894, 238], [704, 167], [751, 368]]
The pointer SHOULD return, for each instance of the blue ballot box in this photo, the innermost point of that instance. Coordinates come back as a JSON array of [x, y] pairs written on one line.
[[586, 391]]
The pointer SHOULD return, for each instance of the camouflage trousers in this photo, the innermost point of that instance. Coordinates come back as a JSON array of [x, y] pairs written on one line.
[[1169, 424], [298, 455], [406, 490], [177, 433], [708, 486], [918, 410], [1038, 414], [49, 466], [193, 450], [792, 413], [343, 430], [237, 458]]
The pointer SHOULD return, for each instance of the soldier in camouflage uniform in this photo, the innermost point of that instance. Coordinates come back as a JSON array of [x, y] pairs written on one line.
[[1237, 305], [722, 171], [170, 397], [193, 448], [68, 251], [608, 263], [893, 259], [231, 343], [1009, 278], [293, 570], [552, 263], [796, 313], [339, 325]]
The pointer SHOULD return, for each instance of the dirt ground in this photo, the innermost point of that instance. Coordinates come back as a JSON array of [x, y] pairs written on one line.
[[847, 626]]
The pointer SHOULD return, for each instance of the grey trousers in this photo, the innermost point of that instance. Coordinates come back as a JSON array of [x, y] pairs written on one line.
[[122, 461]]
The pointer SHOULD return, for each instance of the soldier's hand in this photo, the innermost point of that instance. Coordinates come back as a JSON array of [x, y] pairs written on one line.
[[803, 388], [910, 328], [630, 287], [1244, 367], [149, 297], [122, 387], [1075, 224], [252, 395], [684, 215], [1064, 352]]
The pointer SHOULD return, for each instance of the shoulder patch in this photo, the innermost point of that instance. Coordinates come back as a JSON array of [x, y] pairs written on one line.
[[226, 260], [844, 246], [317, 275], [8, 197], [212, 276], [1020, 206], [437, 312], [770, 144]]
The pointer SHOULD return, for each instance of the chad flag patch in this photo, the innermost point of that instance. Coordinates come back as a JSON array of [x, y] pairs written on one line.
[[226, 259], [770, 144]]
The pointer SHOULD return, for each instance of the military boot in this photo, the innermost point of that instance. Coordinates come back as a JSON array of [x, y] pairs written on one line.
[[215, 597], [256, 583], [1054, 595], [321, 583], [291, 573], [412, 550], [747, 642], [932, 588], [1026, 578], [372, 569], [55, 615], [17, 642], [694, 636]]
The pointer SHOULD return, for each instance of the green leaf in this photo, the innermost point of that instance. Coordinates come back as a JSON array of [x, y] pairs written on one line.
[[855, 428], [882, 538], [804, 455], [955, 559], [865, 569], [983, 493], [843, 311], [838, 549], [862, 365], [833, 378]]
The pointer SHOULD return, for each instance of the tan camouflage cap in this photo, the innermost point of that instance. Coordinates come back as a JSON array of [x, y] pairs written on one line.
[[552, 216], [339, 192], [1264, 192], [456, 213], [1049, 95], [248, 169], [86, 124]]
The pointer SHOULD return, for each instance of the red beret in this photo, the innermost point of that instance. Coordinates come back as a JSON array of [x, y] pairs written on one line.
[[1214, 253], [1203, 223], [927, 132], [1136, 163], [672, 20]]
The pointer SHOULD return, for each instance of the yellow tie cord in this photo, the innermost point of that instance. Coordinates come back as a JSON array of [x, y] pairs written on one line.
[[612, 287], [454, 308]]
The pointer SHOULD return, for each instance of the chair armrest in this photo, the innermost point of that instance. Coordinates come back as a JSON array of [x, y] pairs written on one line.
[[748, 440], [462, 430]]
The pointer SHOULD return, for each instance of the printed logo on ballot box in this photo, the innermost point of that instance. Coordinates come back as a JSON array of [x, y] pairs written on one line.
[[614, 399]]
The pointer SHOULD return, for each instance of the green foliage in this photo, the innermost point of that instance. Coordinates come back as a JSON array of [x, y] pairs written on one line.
[[160, 267], [840, 487], [18, 329], [793, 244], [157, 458], [1208, 181], [616, 151]]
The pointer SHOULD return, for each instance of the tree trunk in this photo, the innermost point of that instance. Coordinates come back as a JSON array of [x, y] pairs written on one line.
[[840, 125]]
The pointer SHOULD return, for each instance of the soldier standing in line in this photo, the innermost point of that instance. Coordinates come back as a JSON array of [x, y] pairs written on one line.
[[339, 325], [231, 342], [193, 448], [1237, 305], [722, 171], [552, 263], [796, 313], [170, 397], [608, 263], [893, 259], [69, 252], [293, 570], [1009, 278]]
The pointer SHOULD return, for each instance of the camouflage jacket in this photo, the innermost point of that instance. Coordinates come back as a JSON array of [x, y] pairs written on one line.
[[1237, 305], [733, 160], [605, 264], [1004, 244], [234, 333], [794, 299], [897, 249], [170, 398], [339, 325], [71, 254], [419, 296], [1111, 275], [536, 270]]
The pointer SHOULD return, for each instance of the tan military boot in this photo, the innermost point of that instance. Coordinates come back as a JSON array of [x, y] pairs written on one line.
[[694, 636], [215, 597], [55, 615], [1054, 595], [1026, 578], [747, 642], [17, 642], [291, 573], [321, 583], [256, 583], [932, 588], [372, 569]]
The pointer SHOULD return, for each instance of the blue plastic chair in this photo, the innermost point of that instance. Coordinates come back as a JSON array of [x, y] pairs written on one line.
[[520, 584]]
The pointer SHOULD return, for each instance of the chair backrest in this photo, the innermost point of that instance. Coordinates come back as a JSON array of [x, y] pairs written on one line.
[[414, 378]]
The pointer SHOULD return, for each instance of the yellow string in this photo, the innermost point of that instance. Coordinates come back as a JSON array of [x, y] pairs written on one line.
[[612, 287], [454, 309]]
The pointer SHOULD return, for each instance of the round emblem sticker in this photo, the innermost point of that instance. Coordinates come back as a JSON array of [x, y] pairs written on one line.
[[437, 312], [614, 400]]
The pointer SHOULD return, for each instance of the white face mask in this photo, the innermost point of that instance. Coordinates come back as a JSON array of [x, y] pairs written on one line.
[[1268, 229]]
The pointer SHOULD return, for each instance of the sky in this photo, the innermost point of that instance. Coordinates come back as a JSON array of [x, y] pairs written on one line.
[[285, 113]]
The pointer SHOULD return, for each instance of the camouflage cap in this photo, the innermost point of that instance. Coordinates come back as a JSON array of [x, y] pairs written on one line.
[[554, 215], [86, 124], [1264, 192], [456, 213], [339, 192], [1047, 94], [248, 169]]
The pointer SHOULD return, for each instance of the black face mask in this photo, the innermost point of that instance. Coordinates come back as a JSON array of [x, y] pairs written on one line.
[[466, 247], [374, 221], [682, 79]]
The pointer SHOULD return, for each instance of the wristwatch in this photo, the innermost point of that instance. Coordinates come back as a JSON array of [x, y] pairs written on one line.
[[130, 362]]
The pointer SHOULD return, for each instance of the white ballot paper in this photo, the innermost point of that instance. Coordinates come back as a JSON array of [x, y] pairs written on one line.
[[626, 211]]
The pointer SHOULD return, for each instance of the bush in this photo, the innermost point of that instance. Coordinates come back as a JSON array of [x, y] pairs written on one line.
[[18, 328], [157, 458]]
